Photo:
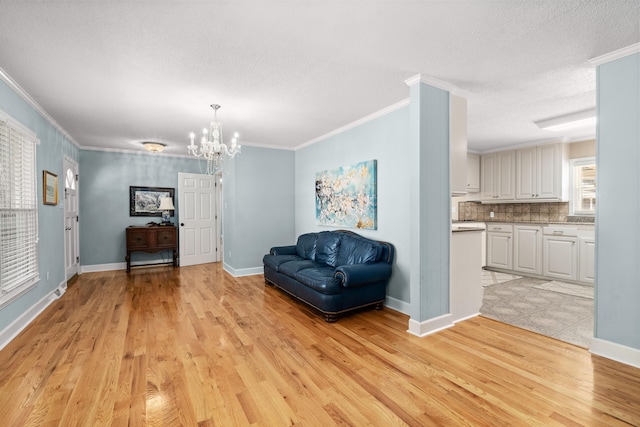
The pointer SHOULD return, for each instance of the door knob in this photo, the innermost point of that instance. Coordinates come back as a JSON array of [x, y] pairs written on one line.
[[182, 224]]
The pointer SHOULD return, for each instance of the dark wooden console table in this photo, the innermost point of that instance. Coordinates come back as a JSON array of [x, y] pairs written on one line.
[[152, 239]]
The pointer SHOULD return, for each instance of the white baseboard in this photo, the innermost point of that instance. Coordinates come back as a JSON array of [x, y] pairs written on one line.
[[618, 352], [118, 266], [18, 325], [242, 271], [103, 267], [431, 326], [397, 305]]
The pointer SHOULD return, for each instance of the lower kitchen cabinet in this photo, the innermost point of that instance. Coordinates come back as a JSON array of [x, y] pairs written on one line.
[[527, 249], [500, 246], [560, 258], [587, 254]]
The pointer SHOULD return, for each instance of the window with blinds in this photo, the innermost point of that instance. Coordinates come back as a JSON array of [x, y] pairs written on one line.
[[18, 210], [582, 182]]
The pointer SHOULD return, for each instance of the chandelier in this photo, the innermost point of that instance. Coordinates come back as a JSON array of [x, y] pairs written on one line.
[[212, 148]]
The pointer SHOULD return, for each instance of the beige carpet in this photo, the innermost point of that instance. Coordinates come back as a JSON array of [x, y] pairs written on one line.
[[567, 289], [555, 314], [493, 277]]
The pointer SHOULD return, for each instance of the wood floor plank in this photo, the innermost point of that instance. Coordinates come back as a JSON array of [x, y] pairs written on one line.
[[193, 346]]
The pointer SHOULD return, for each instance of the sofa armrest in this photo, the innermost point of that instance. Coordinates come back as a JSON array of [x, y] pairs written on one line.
[[360, 274], [283, 250]]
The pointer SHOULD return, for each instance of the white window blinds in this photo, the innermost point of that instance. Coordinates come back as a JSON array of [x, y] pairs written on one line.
[[18, 209]]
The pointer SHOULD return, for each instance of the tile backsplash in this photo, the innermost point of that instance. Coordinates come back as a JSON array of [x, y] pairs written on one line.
[[515, 212]]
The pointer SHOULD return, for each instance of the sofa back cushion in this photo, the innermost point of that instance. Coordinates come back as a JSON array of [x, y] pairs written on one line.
[[357, 250], [327, 248], [306, 247]]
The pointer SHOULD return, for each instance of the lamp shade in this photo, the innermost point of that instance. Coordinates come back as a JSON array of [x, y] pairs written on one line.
[[166, 204]]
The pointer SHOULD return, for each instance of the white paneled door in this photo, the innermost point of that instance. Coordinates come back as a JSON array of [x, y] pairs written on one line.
[[198, 218], [71, 226]]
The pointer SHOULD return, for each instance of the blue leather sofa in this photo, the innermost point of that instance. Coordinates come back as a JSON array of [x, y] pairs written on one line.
[[333, 271]]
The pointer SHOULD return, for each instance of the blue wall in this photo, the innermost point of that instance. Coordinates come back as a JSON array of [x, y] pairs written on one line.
[[105, 178], [384, 139], [258, 204], [430, 202], [617, 304], [49, 155]]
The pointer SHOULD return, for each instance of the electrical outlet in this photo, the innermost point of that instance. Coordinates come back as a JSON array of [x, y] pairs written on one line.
[[491, 214], [47, 276]]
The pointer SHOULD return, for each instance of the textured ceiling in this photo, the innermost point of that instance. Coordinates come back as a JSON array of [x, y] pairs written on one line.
[[113, 74]]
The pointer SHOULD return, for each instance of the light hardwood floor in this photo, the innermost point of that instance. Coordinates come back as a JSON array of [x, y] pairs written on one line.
[[193, 346]]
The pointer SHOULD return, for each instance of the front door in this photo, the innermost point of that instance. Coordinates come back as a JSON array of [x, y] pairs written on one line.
[[71, 226], [197, 219]]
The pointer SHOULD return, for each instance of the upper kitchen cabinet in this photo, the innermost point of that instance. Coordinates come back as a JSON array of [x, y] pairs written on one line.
[[473, 173], [542, 172], [497, 171], [458, 144]]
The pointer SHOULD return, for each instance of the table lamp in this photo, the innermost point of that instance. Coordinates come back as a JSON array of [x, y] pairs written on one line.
[[166, 205]]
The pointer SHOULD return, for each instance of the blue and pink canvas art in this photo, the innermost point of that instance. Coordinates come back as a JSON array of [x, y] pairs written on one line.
[[347, 196]]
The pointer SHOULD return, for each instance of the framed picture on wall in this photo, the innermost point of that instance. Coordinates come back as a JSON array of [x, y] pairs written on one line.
[[50, 188], [145, 201]]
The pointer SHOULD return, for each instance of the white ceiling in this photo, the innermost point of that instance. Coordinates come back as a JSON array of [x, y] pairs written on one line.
[[113, 74]]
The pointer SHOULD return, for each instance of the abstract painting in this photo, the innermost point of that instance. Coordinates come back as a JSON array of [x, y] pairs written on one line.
[[347, 196]]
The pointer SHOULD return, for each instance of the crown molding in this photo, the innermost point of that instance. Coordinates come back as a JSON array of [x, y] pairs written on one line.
[[616, 54], [437, 83], [358, 122], [141, 152], [269, 146], [32, 102]]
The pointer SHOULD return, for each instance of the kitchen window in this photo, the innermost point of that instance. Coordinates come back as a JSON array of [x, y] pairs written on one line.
[[582, 181], [18, 210]]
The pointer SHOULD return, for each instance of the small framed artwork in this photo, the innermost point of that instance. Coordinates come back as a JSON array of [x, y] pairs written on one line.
[[145, 201], [50, 188]]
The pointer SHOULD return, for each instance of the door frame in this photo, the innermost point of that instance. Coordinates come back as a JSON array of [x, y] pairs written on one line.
[[216, 215], [76, 224]]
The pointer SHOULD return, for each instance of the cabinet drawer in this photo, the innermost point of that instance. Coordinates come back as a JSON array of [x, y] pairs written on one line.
[[500, 228], [137, 239], [166, 238]]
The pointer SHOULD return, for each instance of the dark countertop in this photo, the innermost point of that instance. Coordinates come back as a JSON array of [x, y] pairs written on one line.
[[567, 223], [461, 229]]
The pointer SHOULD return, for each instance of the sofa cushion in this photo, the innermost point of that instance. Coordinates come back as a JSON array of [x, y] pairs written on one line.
[[320, 279], [306, 247], [292, 267], [275, 261], [355, 250], [327, 247]]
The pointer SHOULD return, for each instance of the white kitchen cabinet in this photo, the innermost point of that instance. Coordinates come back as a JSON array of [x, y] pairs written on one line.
[[497, 172], [560, 259], [586, 260], [527, 249], [542, 172], [465, 294], [473, 173], [500, 246], [458, 144]]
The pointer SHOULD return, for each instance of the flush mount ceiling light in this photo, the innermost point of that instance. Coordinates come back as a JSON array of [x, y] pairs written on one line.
[[212, 148], [155, 147], [570, 121]]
